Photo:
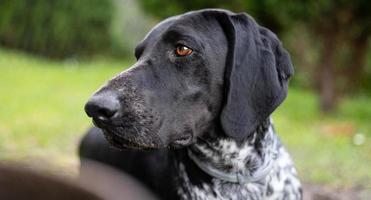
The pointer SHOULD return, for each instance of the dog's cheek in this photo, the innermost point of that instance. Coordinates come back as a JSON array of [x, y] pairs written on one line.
[[204, 123], [198, 119]]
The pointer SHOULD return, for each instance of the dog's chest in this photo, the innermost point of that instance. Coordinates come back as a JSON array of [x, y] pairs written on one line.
[[228, 156], [280, 183]]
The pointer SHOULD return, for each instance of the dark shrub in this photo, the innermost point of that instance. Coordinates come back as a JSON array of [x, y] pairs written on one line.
[[56, 28]]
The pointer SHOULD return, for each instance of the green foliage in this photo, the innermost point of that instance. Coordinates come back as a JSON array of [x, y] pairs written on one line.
[[58, 28], [128, 27], [262, 10], [275, 14]]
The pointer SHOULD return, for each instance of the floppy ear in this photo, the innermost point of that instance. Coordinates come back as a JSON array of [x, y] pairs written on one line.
[[256, 75]]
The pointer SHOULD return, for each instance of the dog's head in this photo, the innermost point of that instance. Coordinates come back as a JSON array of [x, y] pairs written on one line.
[[194, 72]]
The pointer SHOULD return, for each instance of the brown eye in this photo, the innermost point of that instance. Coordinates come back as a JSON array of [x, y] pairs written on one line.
[[182, 50]]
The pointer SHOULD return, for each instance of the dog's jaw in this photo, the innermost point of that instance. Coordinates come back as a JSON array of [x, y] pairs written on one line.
[[226, 154]]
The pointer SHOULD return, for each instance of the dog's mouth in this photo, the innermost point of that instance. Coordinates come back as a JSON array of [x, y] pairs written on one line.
[[118, 141], [121, 143], [182, 141]]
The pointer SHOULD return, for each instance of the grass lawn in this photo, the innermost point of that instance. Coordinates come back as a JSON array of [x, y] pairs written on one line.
[[41, 111], [323, 147], [42, 119]]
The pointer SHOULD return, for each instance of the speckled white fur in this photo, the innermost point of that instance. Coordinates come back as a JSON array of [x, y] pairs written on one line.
[[225, 154]]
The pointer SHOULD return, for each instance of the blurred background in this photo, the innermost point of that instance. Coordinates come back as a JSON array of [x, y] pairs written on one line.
[[55, 53]]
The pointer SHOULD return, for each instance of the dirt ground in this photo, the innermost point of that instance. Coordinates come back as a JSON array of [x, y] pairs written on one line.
[[320, 192]]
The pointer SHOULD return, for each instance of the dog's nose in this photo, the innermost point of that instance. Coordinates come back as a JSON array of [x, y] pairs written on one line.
[[102, 106]]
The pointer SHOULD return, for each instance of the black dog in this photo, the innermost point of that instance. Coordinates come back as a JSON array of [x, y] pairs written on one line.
[[205, 83]]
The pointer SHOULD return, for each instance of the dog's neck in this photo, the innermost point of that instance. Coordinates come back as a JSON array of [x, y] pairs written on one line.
[[224, 158]]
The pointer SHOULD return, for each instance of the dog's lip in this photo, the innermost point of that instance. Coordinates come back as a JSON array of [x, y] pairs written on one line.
[[183, 141], [97, 122], [113, 138], [102, 124], [116, 139], [122, 143], [115, 142]]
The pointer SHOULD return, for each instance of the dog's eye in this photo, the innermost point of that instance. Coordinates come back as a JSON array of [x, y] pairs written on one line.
[[182, 50]]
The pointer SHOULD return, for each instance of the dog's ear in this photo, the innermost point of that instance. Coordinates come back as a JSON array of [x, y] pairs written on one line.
[[256, 75]]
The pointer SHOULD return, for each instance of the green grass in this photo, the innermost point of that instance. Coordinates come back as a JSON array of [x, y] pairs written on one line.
[[322, 146], [42, 118], [41, 111]]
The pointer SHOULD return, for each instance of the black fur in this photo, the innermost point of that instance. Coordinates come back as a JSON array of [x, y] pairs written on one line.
[[257, 74], [215, 102]]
